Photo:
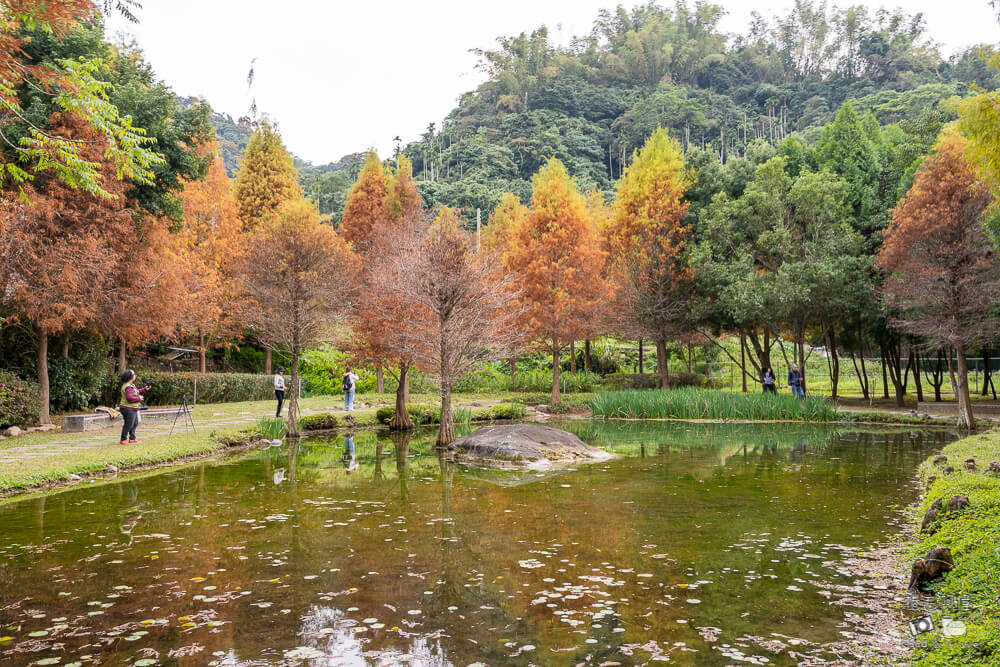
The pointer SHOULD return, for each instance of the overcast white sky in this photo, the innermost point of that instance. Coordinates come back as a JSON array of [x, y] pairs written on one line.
[[341, 76]]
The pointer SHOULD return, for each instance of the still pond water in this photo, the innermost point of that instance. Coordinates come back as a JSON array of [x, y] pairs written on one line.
[[702, 544]]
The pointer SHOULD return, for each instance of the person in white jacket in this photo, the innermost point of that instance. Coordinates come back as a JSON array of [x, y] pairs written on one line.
[[279, 388]]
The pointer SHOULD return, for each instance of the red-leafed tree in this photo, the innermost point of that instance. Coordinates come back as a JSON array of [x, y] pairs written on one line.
[[367, 206], [942, 273], [462, 309], [299, 273]]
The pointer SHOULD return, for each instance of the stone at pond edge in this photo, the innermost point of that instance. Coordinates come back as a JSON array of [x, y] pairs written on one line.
[[530, 446], [12, 432]]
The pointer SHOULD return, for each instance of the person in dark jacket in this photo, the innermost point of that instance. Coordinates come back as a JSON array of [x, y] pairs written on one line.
[[795, 382], [129, 404]]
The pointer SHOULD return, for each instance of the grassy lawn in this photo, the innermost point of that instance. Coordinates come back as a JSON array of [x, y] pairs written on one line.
[[971, 591], [38, 458]]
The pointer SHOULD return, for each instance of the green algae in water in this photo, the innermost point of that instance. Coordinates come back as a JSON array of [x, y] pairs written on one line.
[[703, 544]]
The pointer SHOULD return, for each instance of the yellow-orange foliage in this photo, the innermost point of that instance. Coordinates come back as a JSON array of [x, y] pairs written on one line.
[[212, 245]]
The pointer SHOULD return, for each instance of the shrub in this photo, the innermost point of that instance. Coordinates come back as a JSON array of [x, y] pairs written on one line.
[[170, 388], [691, 403], [507, 411], [320, 422], [76, 382], [272, 428], [19, 402], [619, 381], [541, 380]]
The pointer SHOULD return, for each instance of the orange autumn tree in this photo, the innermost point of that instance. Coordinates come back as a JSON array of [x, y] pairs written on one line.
[[942, 274], [556, 256], [647, 244], [146, 296], [57, 250], [367, 207], [211, 245]]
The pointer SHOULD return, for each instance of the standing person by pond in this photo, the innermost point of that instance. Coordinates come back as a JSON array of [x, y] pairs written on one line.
[[279, 388], [129, 405], [795, 382], [768, 381], [348, 385]]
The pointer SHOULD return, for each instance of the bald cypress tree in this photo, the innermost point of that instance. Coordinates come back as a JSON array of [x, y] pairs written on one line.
[[267, 177]]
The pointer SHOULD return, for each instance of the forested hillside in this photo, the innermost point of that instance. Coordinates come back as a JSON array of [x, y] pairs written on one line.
[[593, 102]]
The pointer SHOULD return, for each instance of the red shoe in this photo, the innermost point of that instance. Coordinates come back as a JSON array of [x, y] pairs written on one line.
[[124, 442], [133, 442]]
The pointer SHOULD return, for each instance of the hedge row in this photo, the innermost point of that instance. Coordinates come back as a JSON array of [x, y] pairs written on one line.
[[171, 388]]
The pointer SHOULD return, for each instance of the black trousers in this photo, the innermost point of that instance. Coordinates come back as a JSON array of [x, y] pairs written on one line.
[[280, 395], [130, 419]]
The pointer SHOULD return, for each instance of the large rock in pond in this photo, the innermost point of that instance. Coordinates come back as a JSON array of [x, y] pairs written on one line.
[[530, 446]]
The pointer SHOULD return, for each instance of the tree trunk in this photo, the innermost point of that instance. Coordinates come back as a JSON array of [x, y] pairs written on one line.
[[885, 378], [379, 379], [917, 380], [43, 376], [65, 347], [555, 372], [201, 352], [833, 362], [293, 394], [988, 373], [965, 417], [122, 359], [586, 354], [406, 387], [513, 367], [743, 360], [572, 356], [690, 358], [891, 353], [640, 357], [401, 420], [661, 363], [446, 434], [267, 361]]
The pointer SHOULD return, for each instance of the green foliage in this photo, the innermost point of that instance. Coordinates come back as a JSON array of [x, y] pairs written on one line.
[[273, 428], [19, 404], [972, 535], [320, 422], [691, 403], [171, 388], [492, 379], [75, 383]]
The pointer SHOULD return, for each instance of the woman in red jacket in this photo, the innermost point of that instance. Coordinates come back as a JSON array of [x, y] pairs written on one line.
[[128, 405]]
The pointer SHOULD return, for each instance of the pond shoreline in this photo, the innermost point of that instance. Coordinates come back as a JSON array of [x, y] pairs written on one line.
[[198, 448]]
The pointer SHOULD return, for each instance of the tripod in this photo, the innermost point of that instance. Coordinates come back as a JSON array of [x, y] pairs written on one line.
[[186, 411]]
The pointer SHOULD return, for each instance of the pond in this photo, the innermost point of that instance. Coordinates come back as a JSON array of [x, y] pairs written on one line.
[[702, 544]]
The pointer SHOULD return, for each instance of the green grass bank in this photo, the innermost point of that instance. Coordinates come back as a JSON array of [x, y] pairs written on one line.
[[971, 591]]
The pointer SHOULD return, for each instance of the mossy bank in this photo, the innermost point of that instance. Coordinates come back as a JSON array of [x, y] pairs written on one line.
[[970, 593]]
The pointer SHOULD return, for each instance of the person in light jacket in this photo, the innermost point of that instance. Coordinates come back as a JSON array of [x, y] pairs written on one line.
[[129, 404], [350, 381], [769, 381], [279, 388]]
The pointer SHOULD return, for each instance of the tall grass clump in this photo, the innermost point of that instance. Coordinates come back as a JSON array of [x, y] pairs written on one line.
[[272, 428], [691, 403]]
